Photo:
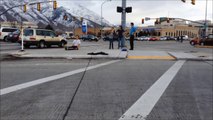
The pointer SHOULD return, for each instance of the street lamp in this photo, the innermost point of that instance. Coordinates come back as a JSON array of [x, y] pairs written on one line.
[[102, 15]]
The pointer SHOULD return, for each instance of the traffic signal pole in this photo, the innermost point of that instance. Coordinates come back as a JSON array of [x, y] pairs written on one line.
[[123, 21]]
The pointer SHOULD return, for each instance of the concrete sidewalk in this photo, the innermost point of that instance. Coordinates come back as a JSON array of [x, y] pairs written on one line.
[[112, 54], [69, 54]]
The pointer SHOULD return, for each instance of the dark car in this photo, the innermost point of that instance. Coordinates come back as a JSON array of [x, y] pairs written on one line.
[[109, 37], [13, 36], [89, 37], [207, 41], [170, 38]]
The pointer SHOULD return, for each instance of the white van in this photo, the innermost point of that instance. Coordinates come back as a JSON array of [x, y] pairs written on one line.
[[42, 38], [4, 31]]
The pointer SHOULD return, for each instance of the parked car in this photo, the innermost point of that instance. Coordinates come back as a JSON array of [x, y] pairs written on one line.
[[163, 38], [153, 39], [184, 37], [13, 36], [42, 38], [170, 38], [89, 38], [147, 38], [142, 38], [107, 38], [207, 41], [128, 38], [194, 41], [4, 31]]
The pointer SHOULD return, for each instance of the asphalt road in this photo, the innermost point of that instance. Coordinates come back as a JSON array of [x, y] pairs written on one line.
[[106, 90]]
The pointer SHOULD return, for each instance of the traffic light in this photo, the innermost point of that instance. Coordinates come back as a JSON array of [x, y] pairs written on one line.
[[81, 19], [193, 2], [157, 21], [119, 9], [39, 7], [25, 8], [168, 20], [54, 5], [142, 21], [65, 17], [183, 1], [129, 9]]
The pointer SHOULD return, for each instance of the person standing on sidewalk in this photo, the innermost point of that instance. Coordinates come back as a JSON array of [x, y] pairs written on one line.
[[113, 34], [120, 32], [132, 32]]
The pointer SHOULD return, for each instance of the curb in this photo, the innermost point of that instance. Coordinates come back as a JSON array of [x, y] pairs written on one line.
[[65, 57], [192, 59]]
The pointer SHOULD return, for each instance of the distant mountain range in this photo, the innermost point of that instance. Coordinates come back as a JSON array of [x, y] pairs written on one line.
[[50, 16]]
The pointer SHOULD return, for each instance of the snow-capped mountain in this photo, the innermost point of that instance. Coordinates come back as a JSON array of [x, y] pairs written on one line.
[[49, 16]]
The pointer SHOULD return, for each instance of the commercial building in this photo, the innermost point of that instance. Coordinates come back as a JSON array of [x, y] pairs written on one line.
[[173, 28]]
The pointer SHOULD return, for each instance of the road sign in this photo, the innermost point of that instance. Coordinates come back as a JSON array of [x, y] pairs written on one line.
[[84, 26]]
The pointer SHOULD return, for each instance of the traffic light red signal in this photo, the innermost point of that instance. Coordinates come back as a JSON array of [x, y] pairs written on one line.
[[54, 5], [142, 21]]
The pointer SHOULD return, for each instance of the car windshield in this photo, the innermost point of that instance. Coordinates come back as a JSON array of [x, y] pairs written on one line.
[[28, 32]]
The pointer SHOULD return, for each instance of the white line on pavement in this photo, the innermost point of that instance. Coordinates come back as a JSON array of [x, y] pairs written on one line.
[[143, 106], [51, 78]]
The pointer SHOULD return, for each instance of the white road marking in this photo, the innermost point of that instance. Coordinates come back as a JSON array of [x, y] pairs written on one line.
[[51, 78], [143, 106]]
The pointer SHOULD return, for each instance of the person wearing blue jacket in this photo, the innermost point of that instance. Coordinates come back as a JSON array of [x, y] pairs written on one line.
[[132, 32]]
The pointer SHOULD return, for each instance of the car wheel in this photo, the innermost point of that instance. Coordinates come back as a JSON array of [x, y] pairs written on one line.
[[5, 39], [63, 43], [41, 44]]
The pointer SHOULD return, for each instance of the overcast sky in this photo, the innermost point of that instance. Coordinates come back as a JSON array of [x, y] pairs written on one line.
[[147, 8]]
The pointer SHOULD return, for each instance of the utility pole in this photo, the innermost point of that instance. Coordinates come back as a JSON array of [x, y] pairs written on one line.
[[123, 20], [205, 26]]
